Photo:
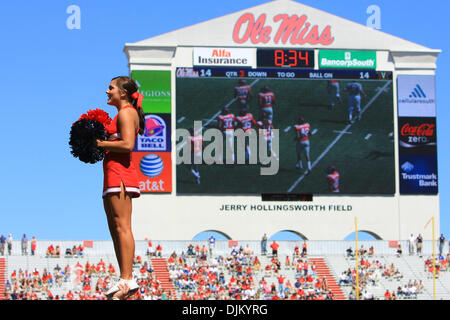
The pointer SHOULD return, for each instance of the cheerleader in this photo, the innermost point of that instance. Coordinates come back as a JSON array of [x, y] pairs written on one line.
[[120, 175]]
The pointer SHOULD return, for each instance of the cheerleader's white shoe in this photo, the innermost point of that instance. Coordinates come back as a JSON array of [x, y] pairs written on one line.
[[132, 285]]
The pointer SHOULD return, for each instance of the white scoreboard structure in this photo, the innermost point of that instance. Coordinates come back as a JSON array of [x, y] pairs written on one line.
[[368, 96]]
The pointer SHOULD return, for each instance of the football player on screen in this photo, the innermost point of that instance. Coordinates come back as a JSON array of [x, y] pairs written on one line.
[[196, 141], [333, 93], [242, 94], [244, 121], [226, 123], [266, 101], [332, 179], [354, 90], [302, 134], [267, 127]]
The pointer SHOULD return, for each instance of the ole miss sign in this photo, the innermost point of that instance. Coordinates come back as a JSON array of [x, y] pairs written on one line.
[[291, 30]]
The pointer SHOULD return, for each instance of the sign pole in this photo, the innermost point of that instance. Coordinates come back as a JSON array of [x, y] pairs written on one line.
[[357, 263], [434, 264]]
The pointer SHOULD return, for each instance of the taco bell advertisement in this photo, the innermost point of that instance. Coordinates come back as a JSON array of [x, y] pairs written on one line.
[[157, 134]]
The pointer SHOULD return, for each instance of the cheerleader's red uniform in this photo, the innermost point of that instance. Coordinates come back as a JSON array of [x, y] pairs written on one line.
[[118, 167]]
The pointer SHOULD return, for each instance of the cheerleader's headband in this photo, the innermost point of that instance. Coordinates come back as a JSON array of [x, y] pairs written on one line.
[[139, 97]]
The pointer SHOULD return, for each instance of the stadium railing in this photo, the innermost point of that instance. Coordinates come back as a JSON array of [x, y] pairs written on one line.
[[315, 247]]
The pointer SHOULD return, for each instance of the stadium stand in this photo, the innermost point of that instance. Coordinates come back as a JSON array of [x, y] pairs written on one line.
[[192, 271], [2, 278]]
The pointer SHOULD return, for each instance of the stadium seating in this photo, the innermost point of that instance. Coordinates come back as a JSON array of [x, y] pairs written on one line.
[[226, 274]]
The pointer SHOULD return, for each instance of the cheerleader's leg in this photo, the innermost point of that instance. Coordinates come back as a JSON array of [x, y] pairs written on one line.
[[118, 209]]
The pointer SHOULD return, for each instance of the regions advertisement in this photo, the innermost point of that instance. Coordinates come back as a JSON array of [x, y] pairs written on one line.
[[156, 87], [157, 134], [347, 59], [416, 96], [154, 171], [418, 174], [309, 131]]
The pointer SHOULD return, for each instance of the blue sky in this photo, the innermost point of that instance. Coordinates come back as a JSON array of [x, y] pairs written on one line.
[[51, 75]]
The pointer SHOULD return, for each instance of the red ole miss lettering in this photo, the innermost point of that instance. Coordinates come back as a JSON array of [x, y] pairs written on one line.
[[292, 29]]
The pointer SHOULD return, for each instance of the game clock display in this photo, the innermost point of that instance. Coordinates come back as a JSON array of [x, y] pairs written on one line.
[[290, 58]]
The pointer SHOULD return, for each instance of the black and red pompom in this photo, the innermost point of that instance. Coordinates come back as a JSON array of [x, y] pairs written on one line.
[[85, 131]]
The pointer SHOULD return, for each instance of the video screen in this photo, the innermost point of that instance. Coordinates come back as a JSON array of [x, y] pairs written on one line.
[[257, 131]]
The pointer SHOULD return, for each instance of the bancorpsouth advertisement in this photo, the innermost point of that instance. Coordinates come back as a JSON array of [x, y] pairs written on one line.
[[347, 59], [156, 88], [417, 135]]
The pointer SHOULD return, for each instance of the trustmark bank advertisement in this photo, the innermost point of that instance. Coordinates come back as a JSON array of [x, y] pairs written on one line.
[[271, 69]]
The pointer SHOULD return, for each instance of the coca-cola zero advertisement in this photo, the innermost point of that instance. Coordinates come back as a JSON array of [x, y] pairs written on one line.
[[417, 135]]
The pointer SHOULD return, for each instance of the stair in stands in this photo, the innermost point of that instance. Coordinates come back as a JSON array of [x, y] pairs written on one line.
[[322, 270], [162, 274], [2, 278]]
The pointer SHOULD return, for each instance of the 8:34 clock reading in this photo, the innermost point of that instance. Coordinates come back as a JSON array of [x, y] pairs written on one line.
[[291, 58]]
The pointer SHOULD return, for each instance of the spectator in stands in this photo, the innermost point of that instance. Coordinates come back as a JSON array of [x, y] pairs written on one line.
[[10, 243], [159, 250], [399, 251], [441, 244], [2, 244], [247, 251], [50, 251], [411, 241], [150, 249], [362, 251], [281, 280], [24, 244], [190, 250], [371, 251], [343, 278], [33, 245], [274, 247], [264, 245], [419, 242], [350, 253], [80, 250], [211, 244], [68, 253], [304, 249]]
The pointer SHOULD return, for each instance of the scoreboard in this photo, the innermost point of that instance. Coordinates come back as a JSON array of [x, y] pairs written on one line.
[[300, 88], [367, 96]]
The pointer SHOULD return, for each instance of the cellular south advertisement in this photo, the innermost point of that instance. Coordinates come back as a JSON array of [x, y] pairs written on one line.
[[416, 96]]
